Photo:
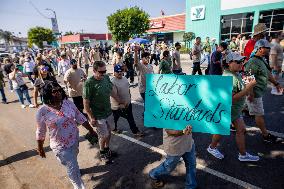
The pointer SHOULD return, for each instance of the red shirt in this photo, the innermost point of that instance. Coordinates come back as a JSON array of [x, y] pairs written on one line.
[[249, 48]]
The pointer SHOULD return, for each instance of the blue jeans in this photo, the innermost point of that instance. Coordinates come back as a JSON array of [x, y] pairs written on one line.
[[10, 84], [3, 95], [21, 94], [170, 164], [54, 64]]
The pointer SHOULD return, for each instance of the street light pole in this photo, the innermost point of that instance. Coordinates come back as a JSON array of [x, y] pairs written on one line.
[[54, 23]]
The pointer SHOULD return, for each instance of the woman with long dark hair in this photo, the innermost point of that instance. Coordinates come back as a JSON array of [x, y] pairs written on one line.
[[61, 117]]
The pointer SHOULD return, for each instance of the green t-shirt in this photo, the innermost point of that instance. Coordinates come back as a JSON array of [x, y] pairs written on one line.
[[256, 65], [98, 93], [165, 67], [207, 47], [238, 86]]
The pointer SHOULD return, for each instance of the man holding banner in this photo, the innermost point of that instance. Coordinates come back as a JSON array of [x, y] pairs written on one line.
[[177, 144]]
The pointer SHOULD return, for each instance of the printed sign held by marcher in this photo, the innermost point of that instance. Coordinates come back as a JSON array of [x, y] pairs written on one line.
[[174, 101]]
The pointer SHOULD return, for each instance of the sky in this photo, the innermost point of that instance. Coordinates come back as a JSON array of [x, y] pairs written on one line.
[[75, 15]]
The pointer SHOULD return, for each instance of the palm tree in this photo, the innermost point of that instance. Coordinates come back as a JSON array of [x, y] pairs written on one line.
[[7, 36]]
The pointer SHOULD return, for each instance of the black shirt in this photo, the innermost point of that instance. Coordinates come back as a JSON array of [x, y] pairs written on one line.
[[215, 67]]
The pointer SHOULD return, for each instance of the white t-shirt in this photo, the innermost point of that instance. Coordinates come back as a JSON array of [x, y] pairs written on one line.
[[277, 50], [176, 57], [29, 66], [18, 81], [63, 66], [121, 90]]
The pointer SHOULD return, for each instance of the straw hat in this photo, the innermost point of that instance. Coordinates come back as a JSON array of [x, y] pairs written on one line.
[[259, 28]]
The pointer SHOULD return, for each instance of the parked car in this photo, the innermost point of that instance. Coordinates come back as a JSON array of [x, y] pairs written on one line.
[[4, 55]]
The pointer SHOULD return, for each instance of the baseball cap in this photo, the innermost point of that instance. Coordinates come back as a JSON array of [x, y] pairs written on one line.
[[234, 56], [262, 43], [117, 68], [73, 61]]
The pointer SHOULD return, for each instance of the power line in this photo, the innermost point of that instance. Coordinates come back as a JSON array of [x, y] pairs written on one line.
[[29, 1]]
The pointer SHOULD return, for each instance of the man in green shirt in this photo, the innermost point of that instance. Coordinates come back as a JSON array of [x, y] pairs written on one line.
[[96, 95], [233, 45], [258, 66]]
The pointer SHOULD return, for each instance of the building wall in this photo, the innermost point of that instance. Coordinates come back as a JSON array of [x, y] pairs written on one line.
[[170, 23], [255, 9], [178, 37], [210, 26]]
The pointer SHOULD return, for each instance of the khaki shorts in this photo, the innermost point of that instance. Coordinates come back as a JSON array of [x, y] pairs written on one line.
[[103, 128], [255, 107]]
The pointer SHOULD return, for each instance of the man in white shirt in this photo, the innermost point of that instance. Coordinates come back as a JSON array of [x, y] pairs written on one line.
[[276, 60], [63, 65], [74, 79], [176, 59], [121, 105]]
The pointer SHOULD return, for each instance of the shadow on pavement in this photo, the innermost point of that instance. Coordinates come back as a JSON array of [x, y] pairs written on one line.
[[27, 154]]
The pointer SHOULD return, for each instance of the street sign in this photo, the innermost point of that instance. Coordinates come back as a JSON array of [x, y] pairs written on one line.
[[197, 12], [54, 25]]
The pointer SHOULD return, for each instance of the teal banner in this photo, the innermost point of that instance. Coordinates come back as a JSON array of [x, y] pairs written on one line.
[[175, 101]]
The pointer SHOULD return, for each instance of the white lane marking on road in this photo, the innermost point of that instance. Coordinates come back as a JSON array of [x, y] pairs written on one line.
[[250, 128], [198, 166]]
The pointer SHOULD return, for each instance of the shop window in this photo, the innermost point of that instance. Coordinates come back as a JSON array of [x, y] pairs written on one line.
[[273, 20], [234, 24]]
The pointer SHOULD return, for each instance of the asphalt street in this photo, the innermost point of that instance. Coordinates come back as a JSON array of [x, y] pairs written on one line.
[[21, 167]]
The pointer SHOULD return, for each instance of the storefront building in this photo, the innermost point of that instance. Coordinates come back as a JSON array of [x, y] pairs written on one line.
[[169, 29], [85, 39], [223, 19]]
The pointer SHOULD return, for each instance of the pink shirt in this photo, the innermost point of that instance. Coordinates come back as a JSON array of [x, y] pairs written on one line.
[[62, 125]]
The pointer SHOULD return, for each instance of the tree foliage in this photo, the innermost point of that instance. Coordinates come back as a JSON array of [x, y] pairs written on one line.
[[69, 33], [6, 35], [188, 37], [127, 23], [39, 34]]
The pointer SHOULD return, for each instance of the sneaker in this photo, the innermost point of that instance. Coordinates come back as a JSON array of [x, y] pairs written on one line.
[[233, 129], [215, 152], [31, 106], [105, 159], [23, 106], [117, 131], [275, 92], [248, 157], [155, 183], [271, 139], [111, 154], [4, 102]]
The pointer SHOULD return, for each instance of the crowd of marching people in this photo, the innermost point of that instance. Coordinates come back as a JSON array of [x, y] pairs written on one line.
[[97, 97]]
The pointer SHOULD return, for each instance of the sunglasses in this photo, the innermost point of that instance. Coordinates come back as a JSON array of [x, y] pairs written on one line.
[[102, 72], [44, 69]]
